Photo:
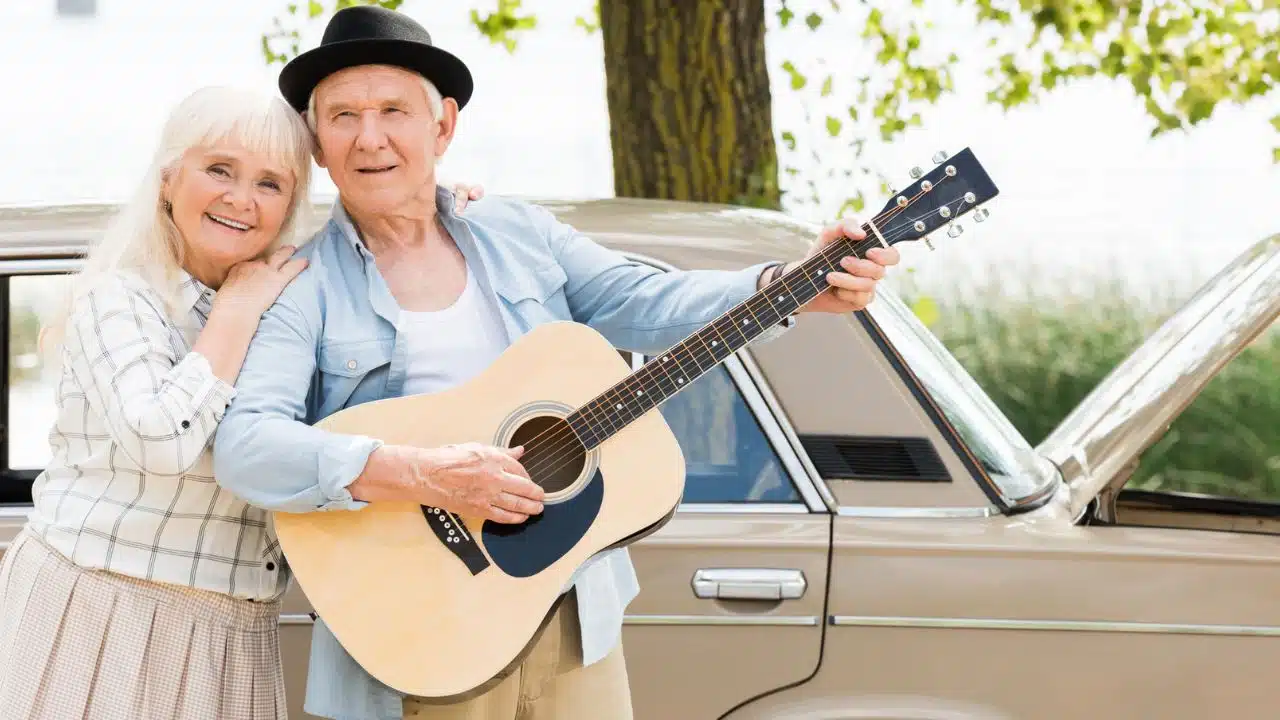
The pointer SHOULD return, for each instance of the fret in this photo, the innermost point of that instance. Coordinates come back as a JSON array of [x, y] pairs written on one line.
[[667, 374]]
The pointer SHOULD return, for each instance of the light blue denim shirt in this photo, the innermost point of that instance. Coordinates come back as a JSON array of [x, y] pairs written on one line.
[[330, 342]]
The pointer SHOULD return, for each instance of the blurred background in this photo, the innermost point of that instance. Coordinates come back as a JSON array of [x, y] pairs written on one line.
[[1136, 154]]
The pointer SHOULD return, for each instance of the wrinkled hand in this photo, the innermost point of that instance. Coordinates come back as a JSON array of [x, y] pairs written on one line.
[[253, 285], [463, 194], [481, 481], [855, 288]]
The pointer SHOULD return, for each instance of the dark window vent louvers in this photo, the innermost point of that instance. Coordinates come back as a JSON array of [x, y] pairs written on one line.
[[842, 457]]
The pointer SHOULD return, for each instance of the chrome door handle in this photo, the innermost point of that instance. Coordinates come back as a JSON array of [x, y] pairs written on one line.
[[748, 584]]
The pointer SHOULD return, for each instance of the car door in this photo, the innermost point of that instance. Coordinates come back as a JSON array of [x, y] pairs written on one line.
[[732, 588]]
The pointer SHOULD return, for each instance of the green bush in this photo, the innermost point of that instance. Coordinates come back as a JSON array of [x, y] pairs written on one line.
[[1037, 356]]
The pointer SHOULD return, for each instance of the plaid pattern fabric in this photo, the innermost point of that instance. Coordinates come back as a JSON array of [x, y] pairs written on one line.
[[130, 486], [78, 643]]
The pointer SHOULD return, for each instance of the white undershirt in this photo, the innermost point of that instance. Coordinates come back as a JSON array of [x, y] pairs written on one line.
[[447, 347]]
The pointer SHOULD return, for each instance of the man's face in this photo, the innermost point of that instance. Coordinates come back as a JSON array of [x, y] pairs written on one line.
[[377, 137]]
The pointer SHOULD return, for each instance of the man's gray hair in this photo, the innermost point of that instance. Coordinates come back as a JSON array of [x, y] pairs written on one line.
[[434, 100]]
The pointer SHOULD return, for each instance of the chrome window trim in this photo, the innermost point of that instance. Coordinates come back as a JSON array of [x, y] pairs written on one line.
[[756, 620], [38, 267], [751, 508], [767, 413], [1053, 625], [917, 512], [788, 431], [682, 620]]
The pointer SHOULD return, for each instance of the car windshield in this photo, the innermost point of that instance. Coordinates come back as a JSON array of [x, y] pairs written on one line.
[[1002, 451]]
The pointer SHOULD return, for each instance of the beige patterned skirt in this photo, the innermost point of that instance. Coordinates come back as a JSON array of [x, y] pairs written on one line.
[[88, 644]]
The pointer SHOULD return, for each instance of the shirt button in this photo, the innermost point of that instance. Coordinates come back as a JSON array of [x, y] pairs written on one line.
[[271, 566], [351, 364]]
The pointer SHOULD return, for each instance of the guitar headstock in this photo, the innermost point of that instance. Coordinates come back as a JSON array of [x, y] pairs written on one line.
[[957, 186]]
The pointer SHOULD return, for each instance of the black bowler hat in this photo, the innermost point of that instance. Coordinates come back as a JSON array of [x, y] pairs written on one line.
[[371, 35]]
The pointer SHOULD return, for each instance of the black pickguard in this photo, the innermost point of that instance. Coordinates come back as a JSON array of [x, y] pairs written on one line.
[[526, 549]]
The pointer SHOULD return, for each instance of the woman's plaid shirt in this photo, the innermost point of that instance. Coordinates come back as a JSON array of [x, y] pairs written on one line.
[[130, 486]]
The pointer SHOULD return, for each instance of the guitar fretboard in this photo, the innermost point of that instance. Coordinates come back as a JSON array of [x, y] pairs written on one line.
[[667, 374]]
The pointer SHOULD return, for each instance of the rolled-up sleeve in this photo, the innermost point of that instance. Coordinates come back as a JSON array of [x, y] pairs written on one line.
[[161, 410], [639, 307], [265, 451]]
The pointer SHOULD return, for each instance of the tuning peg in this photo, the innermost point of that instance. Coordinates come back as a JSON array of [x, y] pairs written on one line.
[[980, 214], [939, 157], [916, 172], [954, 231], [893, 190], [927, 243]]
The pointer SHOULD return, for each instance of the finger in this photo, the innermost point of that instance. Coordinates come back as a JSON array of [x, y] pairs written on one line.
[[522, 487], [884, 256], [516, 452], [497, 514], [517, 504], [863, 268], [477, 192], [281, 256], [292, 268], [854, 299], [513, 466], [846, 281]]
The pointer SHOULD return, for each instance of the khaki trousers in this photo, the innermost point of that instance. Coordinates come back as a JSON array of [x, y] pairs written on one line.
[[551, 683]]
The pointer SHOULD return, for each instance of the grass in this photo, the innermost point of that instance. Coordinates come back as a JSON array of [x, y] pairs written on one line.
[[1037, 355]]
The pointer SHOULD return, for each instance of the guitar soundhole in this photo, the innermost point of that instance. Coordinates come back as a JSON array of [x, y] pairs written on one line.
[[553, 457]]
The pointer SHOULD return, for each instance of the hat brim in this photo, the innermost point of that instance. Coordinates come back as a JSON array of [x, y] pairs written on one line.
[[301, 75]]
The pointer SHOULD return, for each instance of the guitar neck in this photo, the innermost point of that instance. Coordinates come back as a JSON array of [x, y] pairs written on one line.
[[674, 370]]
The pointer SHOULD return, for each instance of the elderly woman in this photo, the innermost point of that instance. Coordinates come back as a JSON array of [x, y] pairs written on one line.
[[140, 587]]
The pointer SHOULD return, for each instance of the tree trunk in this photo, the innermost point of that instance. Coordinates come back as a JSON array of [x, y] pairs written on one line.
[[689, 105]]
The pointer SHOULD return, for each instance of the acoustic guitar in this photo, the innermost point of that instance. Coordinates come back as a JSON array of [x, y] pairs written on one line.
[[444, 606]]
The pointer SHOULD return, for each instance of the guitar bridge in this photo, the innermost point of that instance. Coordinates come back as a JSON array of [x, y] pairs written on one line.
[[450, 530]]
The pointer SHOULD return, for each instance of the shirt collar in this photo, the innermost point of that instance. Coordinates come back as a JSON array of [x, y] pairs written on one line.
[[193, 292]]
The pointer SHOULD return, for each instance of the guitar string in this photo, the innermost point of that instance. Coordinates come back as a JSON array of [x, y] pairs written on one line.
[[861, 245], [870, 240], [561, 446], [566, 459]]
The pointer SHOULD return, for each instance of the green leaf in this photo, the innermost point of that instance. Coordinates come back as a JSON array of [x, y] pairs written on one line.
[[798, 80], [785, 15], [789, 139], [833, 126], [314, 9], [926, 309], [1275, 123], [1275, 155], [826, 86], [813, 20]]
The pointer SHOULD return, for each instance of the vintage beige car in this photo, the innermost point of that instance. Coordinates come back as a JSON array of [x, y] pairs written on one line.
[[864, 534]]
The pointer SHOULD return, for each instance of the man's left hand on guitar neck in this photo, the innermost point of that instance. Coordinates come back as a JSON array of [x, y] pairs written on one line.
[[850, 290]]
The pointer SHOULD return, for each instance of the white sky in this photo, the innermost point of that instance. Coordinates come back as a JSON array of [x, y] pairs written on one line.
[[1083, 188]]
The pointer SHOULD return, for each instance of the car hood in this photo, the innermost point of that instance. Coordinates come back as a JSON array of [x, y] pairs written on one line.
[[1099, 442]]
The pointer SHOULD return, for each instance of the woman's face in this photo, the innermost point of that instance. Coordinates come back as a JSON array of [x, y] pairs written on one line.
[[229, 205]]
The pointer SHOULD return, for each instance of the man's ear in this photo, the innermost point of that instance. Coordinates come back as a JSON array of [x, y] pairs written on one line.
[[446, 126], [318, 154]]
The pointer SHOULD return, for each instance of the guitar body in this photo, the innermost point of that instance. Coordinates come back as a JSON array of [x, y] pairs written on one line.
[[445, 612]]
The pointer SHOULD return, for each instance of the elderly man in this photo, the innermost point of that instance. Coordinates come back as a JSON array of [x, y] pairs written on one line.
[[403, 296]]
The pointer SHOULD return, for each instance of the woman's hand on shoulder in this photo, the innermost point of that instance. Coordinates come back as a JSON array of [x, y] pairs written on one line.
[[253, 285]]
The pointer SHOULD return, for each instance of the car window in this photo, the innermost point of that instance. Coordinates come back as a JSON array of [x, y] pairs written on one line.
[[1227, 442], [32, 301], [727, 456]]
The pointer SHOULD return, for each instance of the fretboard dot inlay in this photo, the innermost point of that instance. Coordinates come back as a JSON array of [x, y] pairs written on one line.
[[619, 406], [681, 381], [714, 343]]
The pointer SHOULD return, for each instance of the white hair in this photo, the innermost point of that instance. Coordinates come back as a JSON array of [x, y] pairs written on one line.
[[142, 237], [434, 100]]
